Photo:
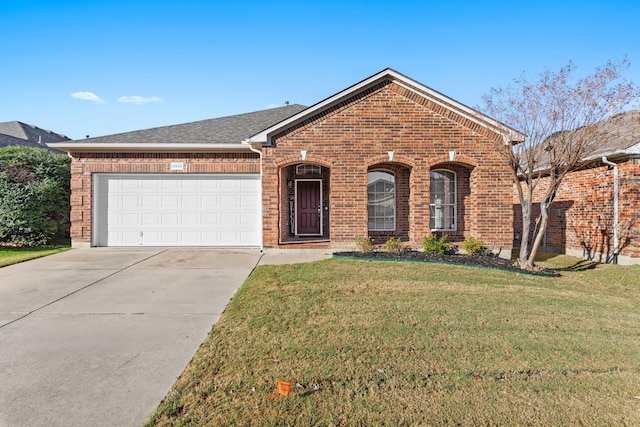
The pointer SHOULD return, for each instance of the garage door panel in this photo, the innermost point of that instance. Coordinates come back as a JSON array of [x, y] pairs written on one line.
[[170, 219], [228, 237], [189, 201], [229, 184], [190, 219], [151, 219], [169, 238], [190, 238], [210, 202], [229, 201], [130, 185], [151, 184], [129, 238], [169, 201], [210, 184], [248, 202], [129, 219], [172, 210], [150, 201], [150, 238], [190, 184], [230, 219], [167, 184], [210, 219]]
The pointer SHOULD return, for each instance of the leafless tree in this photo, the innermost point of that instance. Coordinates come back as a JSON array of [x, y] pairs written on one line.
[[558, 113]]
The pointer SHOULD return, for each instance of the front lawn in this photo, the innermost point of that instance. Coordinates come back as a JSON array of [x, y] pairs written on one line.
[[10, 256], [382, 343]]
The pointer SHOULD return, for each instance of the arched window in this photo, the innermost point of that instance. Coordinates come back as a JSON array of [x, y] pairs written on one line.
[[442, 200], [381, 192]]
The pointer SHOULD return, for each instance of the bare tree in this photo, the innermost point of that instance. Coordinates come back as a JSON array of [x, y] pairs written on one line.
[[558, 113]]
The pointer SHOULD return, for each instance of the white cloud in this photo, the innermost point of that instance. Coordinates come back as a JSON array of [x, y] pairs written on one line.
[[272, 106], [88, 96], [139, 100]]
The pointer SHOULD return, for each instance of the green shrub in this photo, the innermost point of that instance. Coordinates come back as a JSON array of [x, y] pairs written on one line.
[[364, 244], [393, 245], [473, 246], [436, 245], [34, 196]]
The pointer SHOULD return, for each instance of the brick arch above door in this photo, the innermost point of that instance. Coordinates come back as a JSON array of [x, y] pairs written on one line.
[[311, 158]]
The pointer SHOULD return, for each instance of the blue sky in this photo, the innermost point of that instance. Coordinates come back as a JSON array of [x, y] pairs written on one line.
[[85, 67]]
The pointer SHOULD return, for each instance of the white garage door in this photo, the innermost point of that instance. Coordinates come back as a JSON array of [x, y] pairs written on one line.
[[177, 210]]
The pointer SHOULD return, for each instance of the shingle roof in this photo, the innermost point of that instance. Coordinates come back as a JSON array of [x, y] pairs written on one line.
[[618, 134], [18, 133], [223, 130]]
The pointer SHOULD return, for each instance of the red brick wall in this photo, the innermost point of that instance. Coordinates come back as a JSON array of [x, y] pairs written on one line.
[[83, 165], [581, 216], [354, 136]]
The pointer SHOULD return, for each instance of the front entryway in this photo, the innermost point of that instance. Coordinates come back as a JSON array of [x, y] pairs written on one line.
[[308, 207]]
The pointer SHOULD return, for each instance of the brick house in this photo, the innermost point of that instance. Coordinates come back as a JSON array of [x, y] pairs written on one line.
[[581, 217], [386, 157]]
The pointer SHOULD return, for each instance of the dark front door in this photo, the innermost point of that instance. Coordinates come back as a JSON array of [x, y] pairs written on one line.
[[308, 207]]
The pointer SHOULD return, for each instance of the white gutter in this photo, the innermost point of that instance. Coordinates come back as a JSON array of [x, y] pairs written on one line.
[[151, 147], [247, 143], [616, 241]]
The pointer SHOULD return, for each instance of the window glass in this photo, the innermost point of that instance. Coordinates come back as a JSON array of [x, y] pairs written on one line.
[[442, 203], [307, 169], [381, 207]]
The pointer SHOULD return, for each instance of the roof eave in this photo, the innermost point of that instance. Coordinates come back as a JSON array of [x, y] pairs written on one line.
[[615, 155], [104, 147]]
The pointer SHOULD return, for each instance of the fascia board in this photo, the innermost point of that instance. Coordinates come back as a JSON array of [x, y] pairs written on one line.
[[97, 147]]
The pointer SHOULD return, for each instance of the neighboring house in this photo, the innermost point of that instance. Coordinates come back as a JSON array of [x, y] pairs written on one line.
[[581, 217], [386, 157], [17, 133]]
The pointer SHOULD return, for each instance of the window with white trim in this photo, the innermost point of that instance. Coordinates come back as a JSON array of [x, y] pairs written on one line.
[[381, 205], [443, 200]]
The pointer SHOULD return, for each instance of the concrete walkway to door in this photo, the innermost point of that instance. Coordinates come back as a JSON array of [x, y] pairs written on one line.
[[98, 337]]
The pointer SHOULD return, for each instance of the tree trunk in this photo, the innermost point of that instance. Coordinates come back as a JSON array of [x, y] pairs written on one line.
[[524, 237], [544, 215]]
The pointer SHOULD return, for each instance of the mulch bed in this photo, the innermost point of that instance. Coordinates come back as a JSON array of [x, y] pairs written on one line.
[[459, 259]]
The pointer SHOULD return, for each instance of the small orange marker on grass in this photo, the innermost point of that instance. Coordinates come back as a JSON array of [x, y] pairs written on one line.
[[283, 388]]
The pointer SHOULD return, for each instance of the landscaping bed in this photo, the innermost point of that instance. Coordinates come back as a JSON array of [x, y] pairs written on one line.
[[485, 261]]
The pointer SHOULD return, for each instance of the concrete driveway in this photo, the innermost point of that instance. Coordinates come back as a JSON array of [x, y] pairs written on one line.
[[98, 337]]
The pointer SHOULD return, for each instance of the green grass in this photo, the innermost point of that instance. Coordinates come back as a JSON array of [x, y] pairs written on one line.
[[419, 344], [9, 256]]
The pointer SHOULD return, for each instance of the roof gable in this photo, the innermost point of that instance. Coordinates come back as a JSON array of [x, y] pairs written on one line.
[[444, 103]]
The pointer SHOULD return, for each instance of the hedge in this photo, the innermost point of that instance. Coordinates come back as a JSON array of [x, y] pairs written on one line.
[[34, 196]]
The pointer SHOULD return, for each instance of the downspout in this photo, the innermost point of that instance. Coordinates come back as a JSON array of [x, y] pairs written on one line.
[[259, 152], [616, 242]]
